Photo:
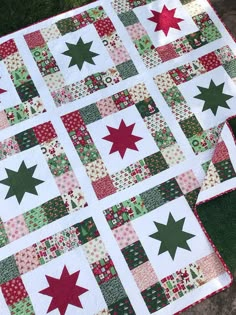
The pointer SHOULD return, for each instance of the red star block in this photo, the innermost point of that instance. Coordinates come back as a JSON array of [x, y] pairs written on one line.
[[165, 20], [64, 291], [122, 138]]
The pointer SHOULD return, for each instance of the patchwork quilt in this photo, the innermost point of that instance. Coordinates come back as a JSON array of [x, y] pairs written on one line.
[[116, 120]]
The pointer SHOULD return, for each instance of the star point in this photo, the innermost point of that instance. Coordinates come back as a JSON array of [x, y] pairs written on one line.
[[171, 236], [2, 91], [122, 138], [165, 20], [80, 53], [64, 291], [213, 97]]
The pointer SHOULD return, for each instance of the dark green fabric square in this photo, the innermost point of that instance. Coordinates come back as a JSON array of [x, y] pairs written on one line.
[[59, 164], [8, 269], [230, 67], [218, 217], [27, 91], [112, 291], [87, 230], [152, 198], [54, 209], [196, 40], [155, 297], [134, 255], [190, 126], [191, 198], [225, 170], [232, 123], [26, 139], [66, 26], [147, 107], [156, 163], [128, 18], [127, 69], [122, 307], [170, 190], [90, 114]]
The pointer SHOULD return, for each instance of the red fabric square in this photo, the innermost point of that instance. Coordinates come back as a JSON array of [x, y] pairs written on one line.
[[73, 121], [34, 39], [45, 132], [210, 61], [180, 75], [104, 27], [7, 48], [167, 52], [83, 18], [221, 153], [104, 187], [14, 291]]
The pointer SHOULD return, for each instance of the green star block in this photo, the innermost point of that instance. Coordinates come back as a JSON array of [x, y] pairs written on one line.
[[213, 97], [80, 53], [21, 182], [172, 236]]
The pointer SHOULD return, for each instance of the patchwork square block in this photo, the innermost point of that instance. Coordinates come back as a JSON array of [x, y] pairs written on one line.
[[38, 185], [164, 30], [134, 255], [159, 237], [155, 297], [122, 140], [201, 95], [56, 49], [69, 270]]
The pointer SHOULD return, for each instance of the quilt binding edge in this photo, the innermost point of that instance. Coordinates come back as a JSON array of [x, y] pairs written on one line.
[[205, 201]]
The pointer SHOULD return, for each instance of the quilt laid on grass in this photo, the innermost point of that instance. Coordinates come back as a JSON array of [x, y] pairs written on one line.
[[117, 119]]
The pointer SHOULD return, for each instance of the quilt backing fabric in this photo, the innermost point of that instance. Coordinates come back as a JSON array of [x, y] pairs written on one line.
[[112, 121]]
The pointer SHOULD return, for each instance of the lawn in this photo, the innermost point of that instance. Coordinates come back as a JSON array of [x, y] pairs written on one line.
[[15, 14]]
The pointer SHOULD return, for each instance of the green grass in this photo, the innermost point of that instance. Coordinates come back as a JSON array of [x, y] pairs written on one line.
[[16, 14]]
